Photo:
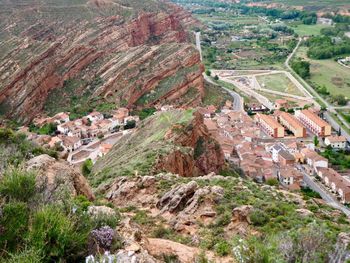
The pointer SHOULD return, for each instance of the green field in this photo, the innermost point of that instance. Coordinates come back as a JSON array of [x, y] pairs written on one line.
[[309, 30], [334, 76], [328, 73], [279, 82]]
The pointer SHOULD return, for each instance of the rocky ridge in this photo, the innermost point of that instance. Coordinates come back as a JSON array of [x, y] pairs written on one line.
[[114, 53]]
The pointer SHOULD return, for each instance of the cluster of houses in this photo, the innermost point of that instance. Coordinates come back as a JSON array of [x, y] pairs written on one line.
[[285, 160], [335, 182], [71, 135]]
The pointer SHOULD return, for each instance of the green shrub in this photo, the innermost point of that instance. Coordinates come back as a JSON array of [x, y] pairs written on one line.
[[199, 148], [171, 259], [142, 218], [259, 218], [54, 234], [272, 182], [28, 255], [17, 184], [101, 220], [222, 248], [82, 202], [14, 225], [87, 167]]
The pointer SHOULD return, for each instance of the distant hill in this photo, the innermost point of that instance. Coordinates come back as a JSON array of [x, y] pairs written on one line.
[[74, 55]]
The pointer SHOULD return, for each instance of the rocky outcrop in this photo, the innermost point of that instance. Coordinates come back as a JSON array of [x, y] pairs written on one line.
[[185, 254], [177, 198], [139, 191], [133, 51], [207, 154], [56, 179], [240, 222], [176, 141]]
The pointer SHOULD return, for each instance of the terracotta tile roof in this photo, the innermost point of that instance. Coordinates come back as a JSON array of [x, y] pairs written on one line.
[[291, 120], [335, 139], [269, 120], [314, 118]]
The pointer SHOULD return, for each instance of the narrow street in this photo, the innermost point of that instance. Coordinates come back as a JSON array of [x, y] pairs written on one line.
[[326, 196]]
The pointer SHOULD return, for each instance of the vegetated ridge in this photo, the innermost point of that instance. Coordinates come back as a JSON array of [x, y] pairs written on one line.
[[175, 141]]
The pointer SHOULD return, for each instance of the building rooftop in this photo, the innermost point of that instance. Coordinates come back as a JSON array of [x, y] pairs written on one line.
[[314, 118], [335, 139], [286, 155], [272, 122], [291, 120]]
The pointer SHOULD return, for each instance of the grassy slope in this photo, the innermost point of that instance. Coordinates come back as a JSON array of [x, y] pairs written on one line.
[[214, 95], [139, 151]]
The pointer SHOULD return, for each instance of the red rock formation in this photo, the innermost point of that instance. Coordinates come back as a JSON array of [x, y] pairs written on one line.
[[110, 47], [207, 156]]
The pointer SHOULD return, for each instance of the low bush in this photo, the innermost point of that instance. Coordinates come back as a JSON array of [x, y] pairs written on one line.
[[28, 255], [13, 225], [17, 184], [259, 218], [54, 234], [222, 248]]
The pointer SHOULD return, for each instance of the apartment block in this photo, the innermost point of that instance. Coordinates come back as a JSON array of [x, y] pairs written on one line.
[[314, 123], [270, 125], [292, 124]]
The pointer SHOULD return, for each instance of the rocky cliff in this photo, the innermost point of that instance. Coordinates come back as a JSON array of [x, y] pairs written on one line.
[[62, 54], [176, 141]]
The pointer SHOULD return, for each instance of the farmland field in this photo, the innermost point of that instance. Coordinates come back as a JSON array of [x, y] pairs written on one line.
[[328, 73], [309, 30], [279, 82]]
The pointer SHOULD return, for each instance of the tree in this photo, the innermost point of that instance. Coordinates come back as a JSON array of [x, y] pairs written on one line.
[[316, 141], [87, 167], [130, 125], [208, 72], [301, 67], [216, 78]]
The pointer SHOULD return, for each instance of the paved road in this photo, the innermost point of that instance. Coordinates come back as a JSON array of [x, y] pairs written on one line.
[[326, 196], [237, 99], [198, 44], [330, 107]]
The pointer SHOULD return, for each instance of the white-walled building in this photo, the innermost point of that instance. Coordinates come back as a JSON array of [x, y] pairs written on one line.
[[337, 142], [314, 123]]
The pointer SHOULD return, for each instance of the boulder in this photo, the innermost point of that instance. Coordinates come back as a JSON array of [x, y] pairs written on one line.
[[176, 198], [56, 179], [241, 214]]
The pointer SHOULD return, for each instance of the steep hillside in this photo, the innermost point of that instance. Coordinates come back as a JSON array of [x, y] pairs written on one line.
[[174, 141], [59, 55]]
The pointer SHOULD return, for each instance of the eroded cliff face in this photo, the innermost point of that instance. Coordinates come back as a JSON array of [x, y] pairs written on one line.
[[206, 157], [131, 54]]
